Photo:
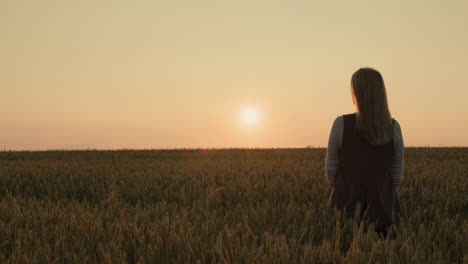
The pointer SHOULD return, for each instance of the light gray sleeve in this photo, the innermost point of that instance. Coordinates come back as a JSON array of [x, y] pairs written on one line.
[[334, 144], [398, 163]]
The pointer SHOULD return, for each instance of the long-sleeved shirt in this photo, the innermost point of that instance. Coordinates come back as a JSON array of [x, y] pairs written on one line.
[[334, 144]]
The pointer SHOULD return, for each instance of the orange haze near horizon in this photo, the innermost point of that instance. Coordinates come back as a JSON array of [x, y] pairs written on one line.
[[181, 74]]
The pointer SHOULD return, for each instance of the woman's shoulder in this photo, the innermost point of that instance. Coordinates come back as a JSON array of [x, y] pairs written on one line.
[[397, 134], [396, 124], [340, 119], [342, 116]]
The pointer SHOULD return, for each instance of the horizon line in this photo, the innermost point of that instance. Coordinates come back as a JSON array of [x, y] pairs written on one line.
[[196, 148]]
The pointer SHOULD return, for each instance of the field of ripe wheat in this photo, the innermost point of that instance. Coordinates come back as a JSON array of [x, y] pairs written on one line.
[[218, 206]]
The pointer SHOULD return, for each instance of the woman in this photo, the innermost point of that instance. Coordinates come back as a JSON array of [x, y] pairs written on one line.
[[364, 162]]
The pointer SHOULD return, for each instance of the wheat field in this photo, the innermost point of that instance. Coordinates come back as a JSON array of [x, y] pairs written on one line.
[[218, 206]]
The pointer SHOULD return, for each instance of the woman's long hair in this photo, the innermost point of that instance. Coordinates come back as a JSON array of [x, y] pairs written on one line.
[[374, 122]]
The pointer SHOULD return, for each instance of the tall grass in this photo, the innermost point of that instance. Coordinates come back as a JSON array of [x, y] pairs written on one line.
[[218, 206]]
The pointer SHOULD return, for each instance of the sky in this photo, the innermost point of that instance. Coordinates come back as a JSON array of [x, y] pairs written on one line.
[[105, 74]]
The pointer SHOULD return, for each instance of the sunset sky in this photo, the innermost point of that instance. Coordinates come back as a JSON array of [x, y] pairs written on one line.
[[247, 73]]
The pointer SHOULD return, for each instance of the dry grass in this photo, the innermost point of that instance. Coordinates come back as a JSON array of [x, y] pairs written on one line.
[[217, 206]]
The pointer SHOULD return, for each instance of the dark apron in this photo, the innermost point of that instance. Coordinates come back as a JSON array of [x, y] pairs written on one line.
[[364, 177]]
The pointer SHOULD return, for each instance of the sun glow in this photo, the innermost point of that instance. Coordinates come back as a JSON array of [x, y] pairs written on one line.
[[250, 115]]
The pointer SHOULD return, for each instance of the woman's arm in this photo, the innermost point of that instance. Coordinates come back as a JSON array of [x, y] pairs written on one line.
[[398, 162], [334, 144]]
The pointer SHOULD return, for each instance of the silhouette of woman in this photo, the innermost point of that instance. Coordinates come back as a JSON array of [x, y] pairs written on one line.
[[364, 161]]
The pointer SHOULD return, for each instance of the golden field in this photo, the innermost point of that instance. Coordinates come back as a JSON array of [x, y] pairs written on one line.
[[218, 206]]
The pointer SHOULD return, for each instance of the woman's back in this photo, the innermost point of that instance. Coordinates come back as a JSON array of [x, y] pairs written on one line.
[[364, 176]]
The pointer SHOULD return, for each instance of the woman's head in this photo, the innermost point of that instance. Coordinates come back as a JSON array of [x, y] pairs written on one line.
[[374, 121]]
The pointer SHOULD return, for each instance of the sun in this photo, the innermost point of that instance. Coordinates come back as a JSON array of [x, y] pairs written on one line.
[[249, 115]]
